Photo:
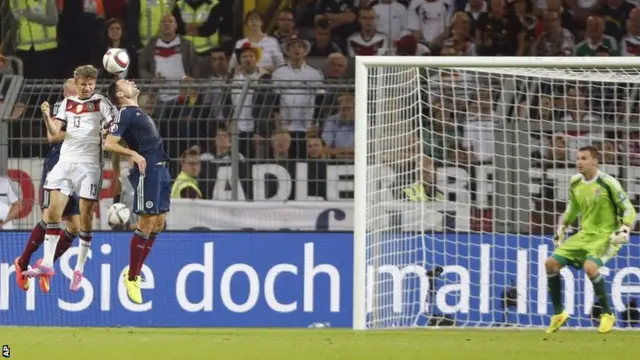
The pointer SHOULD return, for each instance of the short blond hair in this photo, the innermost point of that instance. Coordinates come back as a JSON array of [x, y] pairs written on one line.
[[346, 98], [85, 71]]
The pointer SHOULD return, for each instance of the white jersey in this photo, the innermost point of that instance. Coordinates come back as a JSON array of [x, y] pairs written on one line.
[[84, 120]]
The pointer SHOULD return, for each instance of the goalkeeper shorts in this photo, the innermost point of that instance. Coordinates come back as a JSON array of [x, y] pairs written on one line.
[[580, 247]]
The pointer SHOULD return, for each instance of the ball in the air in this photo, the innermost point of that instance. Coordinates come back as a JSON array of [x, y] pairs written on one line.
[[115, 60], [118, 214]]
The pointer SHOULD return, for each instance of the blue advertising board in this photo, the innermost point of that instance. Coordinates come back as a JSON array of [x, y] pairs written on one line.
[[295, 279]]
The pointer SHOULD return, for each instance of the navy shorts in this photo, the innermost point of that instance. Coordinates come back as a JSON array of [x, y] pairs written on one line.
[[72, 208], [152, 191]]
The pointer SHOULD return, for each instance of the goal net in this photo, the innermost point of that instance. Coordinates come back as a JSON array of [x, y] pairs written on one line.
[[463, 166]]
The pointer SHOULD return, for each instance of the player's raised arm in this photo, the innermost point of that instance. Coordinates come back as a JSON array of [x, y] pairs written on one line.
[[55, 129]]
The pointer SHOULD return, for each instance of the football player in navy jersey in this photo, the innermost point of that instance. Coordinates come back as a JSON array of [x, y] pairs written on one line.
[[71, 213], [150, 175]]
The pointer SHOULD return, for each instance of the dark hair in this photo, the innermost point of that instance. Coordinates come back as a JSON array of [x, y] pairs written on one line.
[[110, 22], [286, 10], [592, 150], [192, 151], [251, 14], [365, 8], [112, 89]]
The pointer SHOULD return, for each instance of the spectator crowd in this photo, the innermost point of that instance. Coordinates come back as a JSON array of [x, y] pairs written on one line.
[[192, 66]]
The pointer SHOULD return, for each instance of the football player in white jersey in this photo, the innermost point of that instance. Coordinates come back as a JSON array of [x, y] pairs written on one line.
[[82, 119]]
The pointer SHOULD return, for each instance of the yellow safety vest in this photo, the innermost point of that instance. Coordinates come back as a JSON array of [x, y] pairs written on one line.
[[199, 17], [32, 35], [416, 192], [151, 13], [182, 182]]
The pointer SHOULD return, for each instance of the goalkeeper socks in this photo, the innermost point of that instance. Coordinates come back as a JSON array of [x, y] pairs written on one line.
[[555, 289], [85, 245], [600, 288]]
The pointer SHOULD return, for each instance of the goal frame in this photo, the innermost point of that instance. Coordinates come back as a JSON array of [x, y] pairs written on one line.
[[362, 64]]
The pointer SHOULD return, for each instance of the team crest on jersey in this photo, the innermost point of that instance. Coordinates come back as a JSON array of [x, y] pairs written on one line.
[[90, 106], [597, 192]]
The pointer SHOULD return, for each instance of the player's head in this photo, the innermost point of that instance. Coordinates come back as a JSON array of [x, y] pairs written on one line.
[[85, 77], [587, 160], [123, 92], [69, 88]]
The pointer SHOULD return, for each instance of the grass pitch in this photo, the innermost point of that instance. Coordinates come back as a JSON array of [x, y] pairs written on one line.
[[312, 344]]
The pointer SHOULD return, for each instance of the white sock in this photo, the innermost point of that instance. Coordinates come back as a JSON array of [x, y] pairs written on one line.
[[50, 244], [82, 255]]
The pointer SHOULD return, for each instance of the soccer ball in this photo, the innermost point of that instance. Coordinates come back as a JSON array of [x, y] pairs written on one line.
[[118, 214], [115, 60]]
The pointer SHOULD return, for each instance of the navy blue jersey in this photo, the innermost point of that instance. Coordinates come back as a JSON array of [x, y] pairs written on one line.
[[137, 129]]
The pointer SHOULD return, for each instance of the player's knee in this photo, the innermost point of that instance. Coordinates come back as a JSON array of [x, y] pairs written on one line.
[[146, 224], [552, 265], [591, 269], [73, 225], [53, 213], [87, 206], [158, 224]]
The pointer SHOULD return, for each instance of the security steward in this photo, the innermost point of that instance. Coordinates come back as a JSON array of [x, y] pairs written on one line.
[[200, 21], [143, 18], [186, 184], [424, 188], [36, 36]]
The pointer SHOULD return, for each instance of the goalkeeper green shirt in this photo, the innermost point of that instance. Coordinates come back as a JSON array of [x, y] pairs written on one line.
[[602, 204]]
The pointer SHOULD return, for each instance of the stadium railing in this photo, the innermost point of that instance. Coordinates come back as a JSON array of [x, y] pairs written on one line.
[[518, 188]]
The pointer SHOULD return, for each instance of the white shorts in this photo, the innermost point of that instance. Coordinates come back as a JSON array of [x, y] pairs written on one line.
[[83, 179]]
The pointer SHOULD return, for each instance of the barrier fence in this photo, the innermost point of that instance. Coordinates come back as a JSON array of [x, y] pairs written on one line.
[[295, 279], [506, 169]]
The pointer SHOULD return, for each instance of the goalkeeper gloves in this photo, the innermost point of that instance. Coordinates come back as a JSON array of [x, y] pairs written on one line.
[[620, 236], [558, 238]]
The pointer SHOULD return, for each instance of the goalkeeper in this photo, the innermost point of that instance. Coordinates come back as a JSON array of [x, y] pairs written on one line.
[[606, 218]]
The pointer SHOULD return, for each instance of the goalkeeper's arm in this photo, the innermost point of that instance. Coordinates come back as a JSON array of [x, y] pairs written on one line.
[[569, 216], [627, 212]]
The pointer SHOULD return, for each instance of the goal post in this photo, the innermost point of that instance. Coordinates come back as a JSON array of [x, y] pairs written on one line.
[[448, 226]]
